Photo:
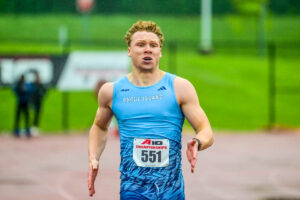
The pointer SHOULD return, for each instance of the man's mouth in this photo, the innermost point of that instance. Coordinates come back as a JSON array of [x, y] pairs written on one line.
[[147, 60]]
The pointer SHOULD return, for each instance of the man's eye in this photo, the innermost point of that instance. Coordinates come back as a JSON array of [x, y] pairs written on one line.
[[154, 45], [140, 45]]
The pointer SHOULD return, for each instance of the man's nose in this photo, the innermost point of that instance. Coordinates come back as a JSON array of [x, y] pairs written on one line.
[[148, 49]]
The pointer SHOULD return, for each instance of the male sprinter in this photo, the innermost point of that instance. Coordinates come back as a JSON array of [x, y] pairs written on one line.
[[150, 106]]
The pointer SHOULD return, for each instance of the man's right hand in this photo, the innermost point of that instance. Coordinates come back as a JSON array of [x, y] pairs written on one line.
[[93, 170]]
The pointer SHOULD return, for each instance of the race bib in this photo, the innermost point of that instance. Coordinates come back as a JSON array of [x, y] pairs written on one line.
[[151, 152]]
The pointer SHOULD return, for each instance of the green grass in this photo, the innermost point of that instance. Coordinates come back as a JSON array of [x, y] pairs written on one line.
[[82, 108], [113, 27], [233, 90], [232, 83]]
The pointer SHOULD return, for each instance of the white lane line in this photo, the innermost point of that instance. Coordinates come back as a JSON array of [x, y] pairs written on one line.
[[60, 187]]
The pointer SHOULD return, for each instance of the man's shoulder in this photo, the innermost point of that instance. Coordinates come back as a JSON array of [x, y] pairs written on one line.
[[106, 92], [184, 89], [180, 82], [106, 88]]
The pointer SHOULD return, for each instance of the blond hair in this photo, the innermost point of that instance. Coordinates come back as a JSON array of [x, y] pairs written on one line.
[[148, 26]]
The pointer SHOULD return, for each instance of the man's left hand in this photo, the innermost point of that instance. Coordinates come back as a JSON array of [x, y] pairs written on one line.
[[191, 153]]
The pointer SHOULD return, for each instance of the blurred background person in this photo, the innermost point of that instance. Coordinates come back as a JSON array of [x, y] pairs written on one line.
[[22, 92], [37, 95]]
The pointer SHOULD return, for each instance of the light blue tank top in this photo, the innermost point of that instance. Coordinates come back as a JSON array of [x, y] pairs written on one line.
[[148, 112]]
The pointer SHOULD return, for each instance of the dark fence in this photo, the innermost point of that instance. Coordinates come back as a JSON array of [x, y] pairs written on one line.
[[275, 87], [272, 51]]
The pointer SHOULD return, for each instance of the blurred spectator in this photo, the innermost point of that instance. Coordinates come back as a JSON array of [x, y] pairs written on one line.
[[22, 92], [37, 95]]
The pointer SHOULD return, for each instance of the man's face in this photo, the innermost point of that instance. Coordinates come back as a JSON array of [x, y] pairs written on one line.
[[144, 50]]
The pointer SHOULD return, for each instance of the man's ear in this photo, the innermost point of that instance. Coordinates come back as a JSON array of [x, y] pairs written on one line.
[[129, 51]]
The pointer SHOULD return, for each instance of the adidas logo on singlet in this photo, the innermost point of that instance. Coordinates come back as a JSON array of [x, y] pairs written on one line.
[[162, 88], [124, 90]]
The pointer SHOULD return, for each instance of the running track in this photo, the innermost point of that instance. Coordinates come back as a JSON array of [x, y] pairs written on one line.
[[260, 166]]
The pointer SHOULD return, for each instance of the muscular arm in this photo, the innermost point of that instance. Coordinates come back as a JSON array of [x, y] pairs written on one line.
[[98, 132], [188, 100]]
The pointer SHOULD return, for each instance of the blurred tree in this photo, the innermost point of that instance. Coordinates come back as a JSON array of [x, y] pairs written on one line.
[[169, 7], [285, 6], [222, 7], [257, 10], [107, 6], [249, 7], [44, 6]]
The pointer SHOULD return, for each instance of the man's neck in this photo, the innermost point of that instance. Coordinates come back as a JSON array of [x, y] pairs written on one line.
[[143, 79]]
